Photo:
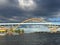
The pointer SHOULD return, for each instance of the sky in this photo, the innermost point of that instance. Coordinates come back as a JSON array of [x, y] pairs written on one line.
[[16, 11], [12, 11]]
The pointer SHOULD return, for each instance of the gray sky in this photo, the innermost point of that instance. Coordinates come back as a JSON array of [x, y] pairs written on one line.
[[19, 10]]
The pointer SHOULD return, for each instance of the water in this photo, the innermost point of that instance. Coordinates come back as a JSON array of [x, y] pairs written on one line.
[[31, 39]]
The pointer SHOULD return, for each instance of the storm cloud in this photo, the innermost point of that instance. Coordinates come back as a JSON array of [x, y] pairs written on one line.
[[10, 11]]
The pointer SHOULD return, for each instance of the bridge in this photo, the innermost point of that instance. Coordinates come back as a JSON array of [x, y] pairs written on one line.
[[52, 26]]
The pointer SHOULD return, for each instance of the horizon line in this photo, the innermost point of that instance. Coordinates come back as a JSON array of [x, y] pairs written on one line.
[[47, 23]]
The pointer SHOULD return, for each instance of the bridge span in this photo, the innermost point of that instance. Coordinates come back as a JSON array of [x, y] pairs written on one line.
[[52, 26]]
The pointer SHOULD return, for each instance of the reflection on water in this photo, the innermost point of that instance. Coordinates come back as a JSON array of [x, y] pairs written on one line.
[[31, 39]]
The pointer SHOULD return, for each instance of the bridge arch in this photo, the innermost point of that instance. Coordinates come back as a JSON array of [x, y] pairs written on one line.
[[31, 19]]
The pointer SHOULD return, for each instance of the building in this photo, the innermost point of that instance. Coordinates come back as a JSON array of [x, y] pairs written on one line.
[[3, 29]]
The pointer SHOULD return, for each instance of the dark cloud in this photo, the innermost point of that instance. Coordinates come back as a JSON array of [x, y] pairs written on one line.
[[45, 8]]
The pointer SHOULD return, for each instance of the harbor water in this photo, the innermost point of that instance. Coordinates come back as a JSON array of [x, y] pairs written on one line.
[[31, 39]]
